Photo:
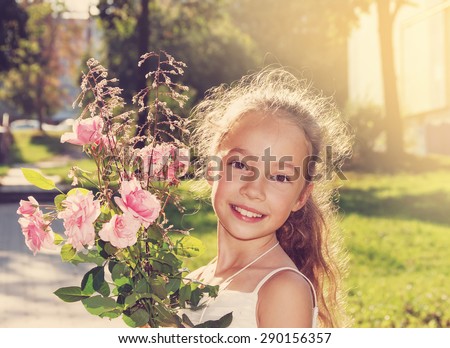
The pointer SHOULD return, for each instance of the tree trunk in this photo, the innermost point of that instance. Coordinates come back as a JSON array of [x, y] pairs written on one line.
[[40, 106], [393, 120]]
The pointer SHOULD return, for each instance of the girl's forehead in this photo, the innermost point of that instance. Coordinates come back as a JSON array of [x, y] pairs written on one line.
[[258, 132]]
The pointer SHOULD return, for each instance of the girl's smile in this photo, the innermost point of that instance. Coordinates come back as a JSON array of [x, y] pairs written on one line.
[[246, 214]]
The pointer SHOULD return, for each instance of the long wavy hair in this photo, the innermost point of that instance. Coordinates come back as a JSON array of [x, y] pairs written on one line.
[[311, 235]]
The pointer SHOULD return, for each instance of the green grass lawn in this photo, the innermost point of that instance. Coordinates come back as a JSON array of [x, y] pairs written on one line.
[[3, 170], [397, 234], [32, 146], [397, 231]]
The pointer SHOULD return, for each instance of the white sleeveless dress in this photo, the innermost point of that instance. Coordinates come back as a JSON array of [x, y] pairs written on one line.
[[242, 304]]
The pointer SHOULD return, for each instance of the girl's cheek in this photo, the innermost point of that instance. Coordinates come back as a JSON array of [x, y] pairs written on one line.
[[283, 189]]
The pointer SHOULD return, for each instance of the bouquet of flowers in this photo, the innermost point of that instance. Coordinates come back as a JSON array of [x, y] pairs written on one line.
[[115, 218]]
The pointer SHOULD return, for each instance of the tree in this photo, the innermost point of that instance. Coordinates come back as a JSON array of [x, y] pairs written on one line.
[[13, 20], [30, 87], [387, 11], [33, 86], [203, 34], [198, 32]]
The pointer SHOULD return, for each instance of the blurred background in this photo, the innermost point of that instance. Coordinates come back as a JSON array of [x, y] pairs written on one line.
[[386, 63]]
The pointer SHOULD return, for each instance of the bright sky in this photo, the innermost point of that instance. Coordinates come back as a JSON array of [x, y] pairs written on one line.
[[79, 8]]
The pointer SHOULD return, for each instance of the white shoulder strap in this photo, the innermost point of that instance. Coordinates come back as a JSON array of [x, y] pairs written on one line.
[[275, 271]]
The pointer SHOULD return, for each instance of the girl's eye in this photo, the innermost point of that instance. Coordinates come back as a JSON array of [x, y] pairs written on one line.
[[281, 178], [238, 165]]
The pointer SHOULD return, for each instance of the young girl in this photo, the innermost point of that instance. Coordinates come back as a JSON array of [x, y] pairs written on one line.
[[270, 146]]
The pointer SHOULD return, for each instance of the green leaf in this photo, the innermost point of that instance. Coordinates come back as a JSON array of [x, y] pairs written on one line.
[[105, 209], [165, 316], [106, 249], [225, 321], [165, 262], [189, 246], [112, 314], [105, 212], [185, 294], [196, 295], [158, 287], [142, 286], [67, 252], [92, 256], [120, 275], [58, 201], [133, 298], [110, 249], [78, 189], [186, 320], [37, 179], [101, 248], [58, 239], [154, 234], [137, 319], [70, 294], [125, 289], [101, 306], [94, 280], [173, 285], [111, 265], [212, 290], [120, 270]]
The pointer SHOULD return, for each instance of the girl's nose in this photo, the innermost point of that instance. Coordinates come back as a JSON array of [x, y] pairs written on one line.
[[253, 189]]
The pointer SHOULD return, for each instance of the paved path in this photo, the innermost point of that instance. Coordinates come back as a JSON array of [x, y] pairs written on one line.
[[14, 179]]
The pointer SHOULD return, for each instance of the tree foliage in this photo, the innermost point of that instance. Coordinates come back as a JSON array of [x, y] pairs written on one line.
[[198, 32], [13, 20], [32, 86]]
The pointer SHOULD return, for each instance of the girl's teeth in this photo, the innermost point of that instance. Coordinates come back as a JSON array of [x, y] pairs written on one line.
[[247, 213]]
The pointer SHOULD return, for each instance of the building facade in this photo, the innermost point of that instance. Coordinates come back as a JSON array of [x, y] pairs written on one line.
[[422, 53]]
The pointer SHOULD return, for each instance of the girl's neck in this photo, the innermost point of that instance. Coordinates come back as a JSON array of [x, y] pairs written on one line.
[[235, 254]]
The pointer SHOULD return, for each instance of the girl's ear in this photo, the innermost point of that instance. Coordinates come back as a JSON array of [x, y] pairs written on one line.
[[304, 195]]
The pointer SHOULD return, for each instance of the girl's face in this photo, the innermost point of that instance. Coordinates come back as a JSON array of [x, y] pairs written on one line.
[[262, 179]]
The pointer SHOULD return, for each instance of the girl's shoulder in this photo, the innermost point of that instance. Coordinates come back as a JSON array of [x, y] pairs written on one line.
[[286, 298], [285, 279]]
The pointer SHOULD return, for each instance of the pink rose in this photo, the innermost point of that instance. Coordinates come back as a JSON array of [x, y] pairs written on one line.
[[165, 161], [38, 234], [85, 131], [79, 215], [121, 230], [138, 202], [28, 207]]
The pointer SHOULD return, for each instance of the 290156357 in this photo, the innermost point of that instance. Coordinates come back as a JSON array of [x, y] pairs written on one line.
[[296, 337]]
